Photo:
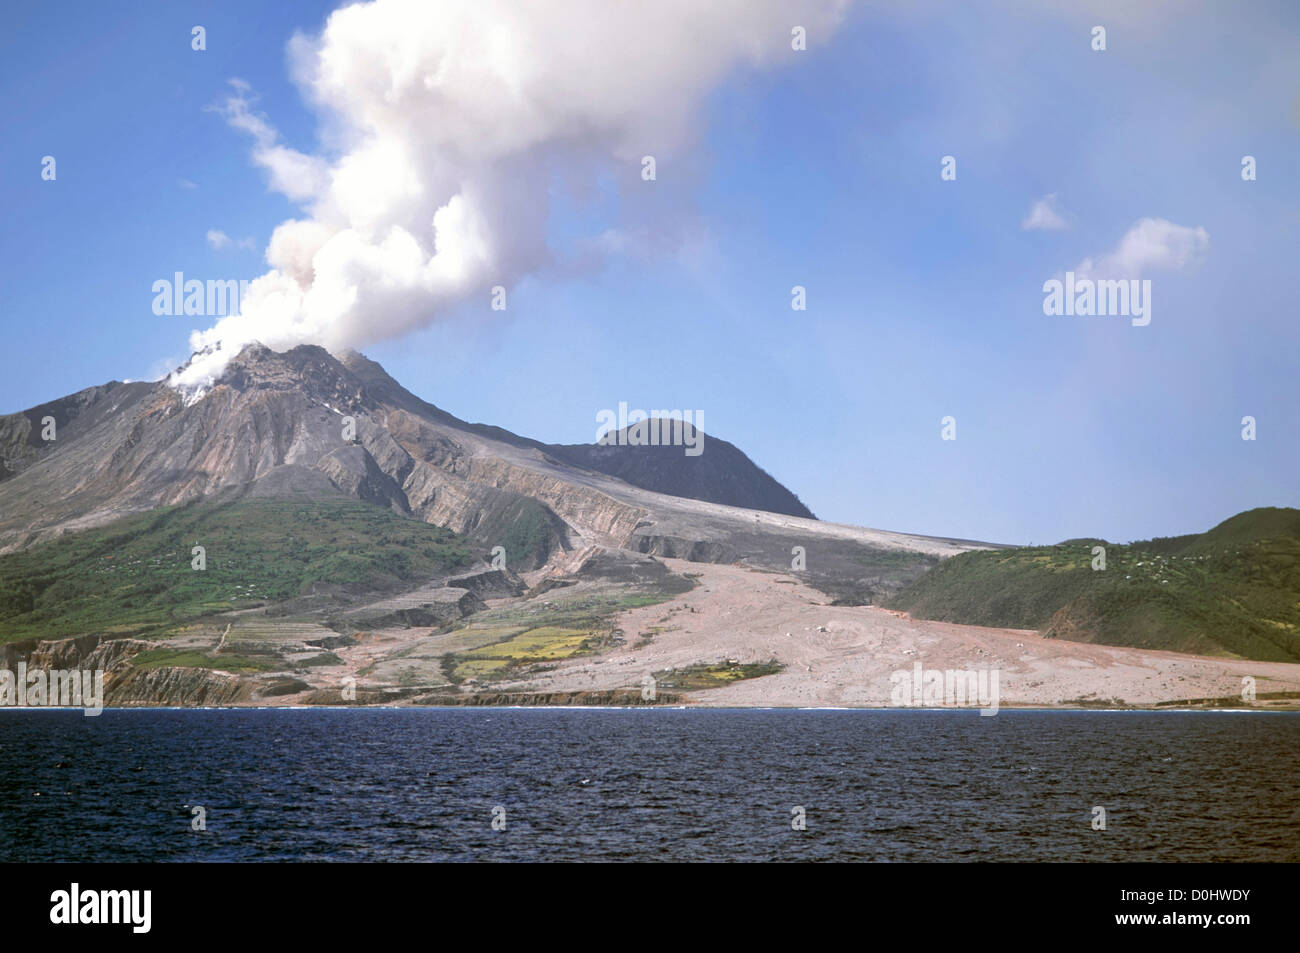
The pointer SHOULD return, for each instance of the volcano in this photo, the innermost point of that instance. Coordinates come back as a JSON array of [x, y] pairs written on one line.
[[306, 424]]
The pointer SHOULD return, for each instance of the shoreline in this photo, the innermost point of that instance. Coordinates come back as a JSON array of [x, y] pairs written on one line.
[[972, 710]]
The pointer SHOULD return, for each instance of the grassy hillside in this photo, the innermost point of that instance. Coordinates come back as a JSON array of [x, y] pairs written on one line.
[[1233, 591], [135, 575], [527, 530]]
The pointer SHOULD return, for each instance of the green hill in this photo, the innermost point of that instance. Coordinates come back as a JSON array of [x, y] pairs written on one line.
[[1232, 591], [136, 576]]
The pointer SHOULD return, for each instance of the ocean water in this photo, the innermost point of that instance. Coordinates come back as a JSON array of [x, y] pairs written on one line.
[[648, 784]]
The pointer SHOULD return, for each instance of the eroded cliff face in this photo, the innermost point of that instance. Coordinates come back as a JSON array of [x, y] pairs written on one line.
[[178, 687], [86, 652], [675, 547], [124, 683]]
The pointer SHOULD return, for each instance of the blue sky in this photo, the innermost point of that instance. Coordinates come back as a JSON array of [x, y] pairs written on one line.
[[924, 296]]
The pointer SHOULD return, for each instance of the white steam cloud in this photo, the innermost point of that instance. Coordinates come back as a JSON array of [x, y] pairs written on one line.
[[447, 126]]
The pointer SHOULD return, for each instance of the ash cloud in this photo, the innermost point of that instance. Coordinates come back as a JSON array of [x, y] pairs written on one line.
[[446, 128]]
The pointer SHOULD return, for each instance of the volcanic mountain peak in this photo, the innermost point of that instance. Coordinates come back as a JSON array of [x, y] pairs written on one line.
[[307, 368], [304, 423]]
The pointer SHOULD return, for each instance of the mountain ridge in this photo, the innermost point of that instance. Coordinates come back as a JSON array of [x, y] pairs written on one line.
[[273, 425]]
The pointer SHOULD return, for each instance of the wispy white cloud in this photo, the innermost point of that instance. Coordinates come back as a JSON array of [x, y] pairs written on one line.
[[220, 241], [1045, 214], [1150, 244], [298, 176]]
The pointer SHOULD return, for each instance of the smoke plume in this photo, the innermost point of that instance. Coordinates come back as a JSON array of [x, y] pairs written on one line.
[[445, 128]]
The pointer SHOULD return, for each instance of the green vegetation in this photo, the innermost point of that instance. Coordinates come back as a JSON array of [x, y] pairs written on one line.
[[135, 575], [325, 658], [1232, 591], [526, 635], [545, 643], [182, 658], [590, 610], [699, 677], [527, 530]]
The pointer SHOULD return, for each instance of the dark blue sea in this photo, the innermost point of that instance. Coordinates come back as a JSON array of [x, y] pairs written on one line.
[[648, 784]]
